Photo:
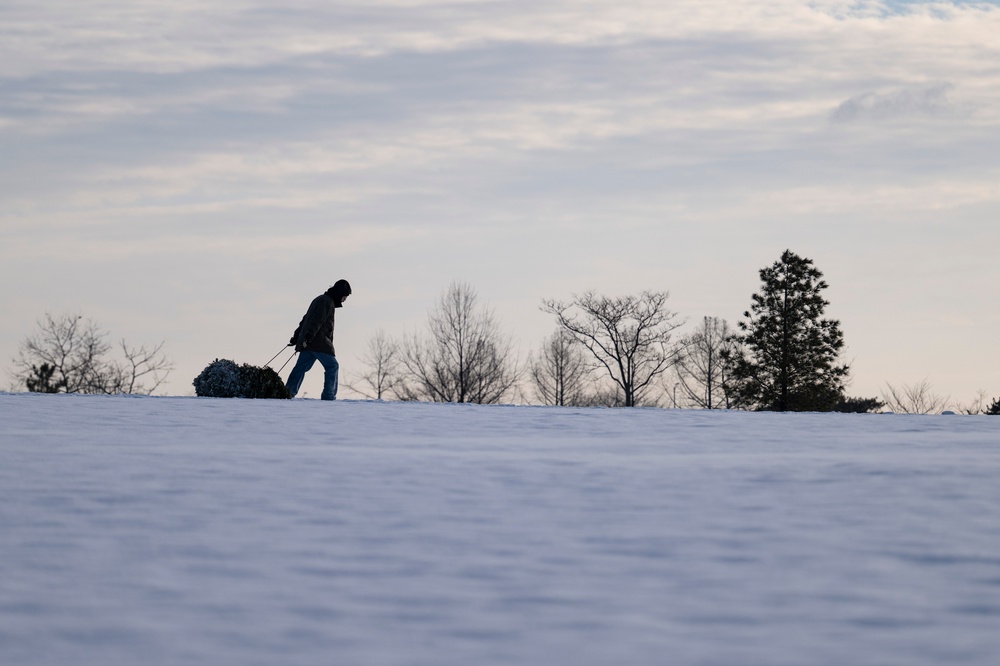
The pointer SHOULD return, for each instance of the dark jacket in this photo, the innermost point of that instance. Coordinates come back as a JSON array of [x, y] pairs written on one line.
[[315, 331]]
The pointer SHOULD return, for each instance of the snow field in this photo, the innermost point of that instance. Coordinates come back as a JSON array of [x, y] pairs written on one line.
[[163, 531]]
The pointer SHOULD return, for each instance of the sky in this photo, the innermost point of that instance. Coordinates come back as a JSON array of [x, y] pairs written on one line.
[[196, 173]]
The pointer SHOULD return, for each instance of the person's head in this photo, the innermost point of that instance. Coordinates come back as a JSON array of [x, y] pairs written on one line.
[[341, 290]]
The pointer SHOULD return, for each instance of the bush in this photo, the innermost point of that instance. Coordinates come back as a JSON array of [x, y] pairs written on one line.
[[222, 378], [858, 405], [994, 409]]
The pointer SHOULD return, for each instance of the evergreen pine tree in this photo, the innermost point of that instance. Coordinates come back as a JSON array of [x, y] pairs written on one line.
[[994, 409], [40, 380], [786, 359]]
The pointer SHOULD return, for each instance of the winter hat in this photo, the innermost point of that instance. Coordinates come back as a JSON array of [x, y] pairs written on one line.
[[341, 288]]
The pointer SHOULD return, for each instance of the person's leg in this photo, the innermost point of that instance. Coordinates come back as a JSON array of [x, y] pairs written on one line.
[[330, 379], [299, 370]]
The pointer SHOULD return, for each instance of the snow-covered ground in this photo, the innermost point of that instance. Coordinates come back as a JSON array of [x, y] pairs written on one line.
[[156, 531]]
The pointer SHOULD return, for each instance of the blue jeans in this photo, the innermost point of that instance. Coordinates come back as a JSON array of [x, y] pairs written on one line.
[[302, 366]]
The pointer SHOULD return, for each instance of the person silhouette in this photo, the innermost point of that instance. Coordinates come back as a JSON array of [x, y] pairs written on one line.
[[313, 340]]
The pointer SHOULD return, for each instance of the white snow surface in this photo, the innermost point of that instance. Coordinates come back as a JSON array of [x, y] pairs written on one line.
[[169, 531]]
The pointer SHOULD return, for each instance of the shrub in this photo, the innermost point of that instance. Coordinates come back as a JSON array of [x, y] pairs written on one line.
[[222, 378], [858, 405], [994, 409]]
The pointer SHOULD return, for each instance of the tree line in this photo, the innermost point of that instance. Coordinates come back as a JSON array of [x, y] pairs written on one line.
[[613, 351], [784, 355]]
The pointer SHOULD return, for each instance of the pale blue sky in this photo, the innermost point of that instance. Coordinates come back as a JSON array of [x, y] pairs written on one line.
[[198, 173]]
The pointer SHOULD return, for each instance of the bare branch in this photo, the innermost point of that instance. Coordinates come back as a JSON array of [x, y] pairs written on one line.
[[142, 372], [703, 367], [629, 336], [69, 353], [913, 399], [559, 372], [979, 405], [465, 356], [382, 378]]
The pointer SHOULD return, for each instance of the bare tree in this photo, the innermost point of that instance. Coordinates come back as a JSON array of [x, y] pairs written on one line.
[[68, 344], [559, 372], [703, 365], [68, 353], [465, 356], [605, 394], [628, 336], [143, 370], [913, 399], [382, 360], [979, 405]]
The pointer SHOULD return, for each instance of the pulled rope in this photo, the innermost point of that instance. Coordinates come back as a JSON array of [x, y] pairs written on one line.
[[286, 362], [276, 356]]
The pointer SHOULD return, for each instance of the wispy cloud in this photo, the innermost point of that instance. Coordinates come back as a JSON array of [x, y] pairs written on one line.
[[929, 102]]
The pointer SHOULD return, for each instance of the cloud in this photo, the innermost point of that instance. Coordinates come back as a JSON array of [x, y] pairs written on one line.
[[460, 134], [928, 102]]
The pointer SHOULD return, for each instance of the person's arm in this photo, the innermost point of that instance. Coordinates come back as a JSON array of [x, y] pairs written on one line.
[[318, 312]]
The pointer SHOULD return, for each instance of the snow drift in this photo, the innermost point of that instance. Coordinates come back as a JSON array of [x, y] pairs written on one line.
[[165, 531]]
